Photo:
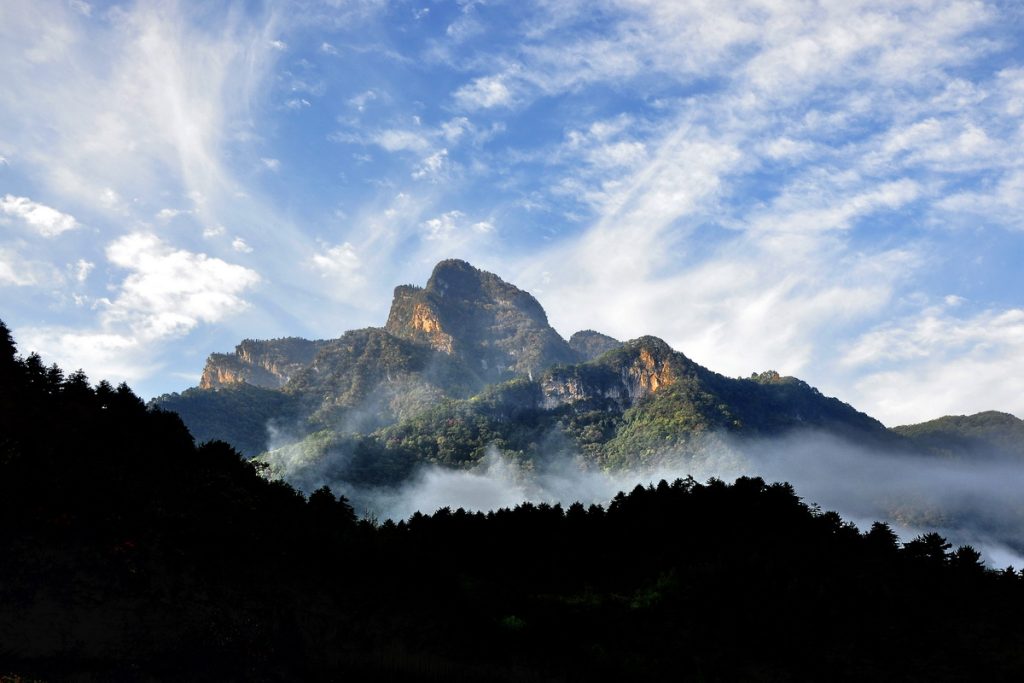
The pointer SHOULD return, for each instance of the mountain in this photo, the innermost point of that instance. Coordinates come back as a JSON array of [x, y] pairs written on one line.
[[469, 364], [987, 434], [589, 344], [633, 406], [267, 363], [497, 330]]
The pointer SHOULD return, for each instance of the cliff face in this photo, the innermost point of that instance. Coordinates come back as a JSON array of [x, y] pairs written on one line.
[[268, 364], [385, 377], [634, 371], [493, 327]]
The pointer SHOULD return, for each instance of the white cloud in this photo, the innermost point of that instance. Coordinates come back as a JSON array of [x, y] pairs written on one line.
[[328, 49], [340, 263], [82, 269], [167, 293], [111, 356], [618, 154], [46, 221], [940, 145], [18, 271], [432, 166], [152, 111], [483, 93], [360, 101], [279, 45], [109, 198], [443, 226], [400, 140], [814, 208], [786, 148], [938, 363], [239, 245], [271, 164], [455, 128], [464, 27], [213, 231], [1001, 204], [297, 103], [170, 291], [167, 214]]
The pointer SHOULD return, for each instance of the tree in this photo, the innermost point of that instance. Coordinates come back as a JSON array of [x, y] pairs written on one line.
[[8, 349], [967, 560], [881, 538], [929, 548], [336, 513]]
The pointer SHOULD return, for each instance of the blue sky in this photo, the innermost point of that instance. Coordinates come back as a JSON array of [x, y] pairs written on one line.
[[830, 189]]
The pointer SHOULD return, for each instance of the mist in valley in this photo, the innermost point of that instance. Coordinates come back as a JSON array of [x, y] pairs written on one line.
[[971, 501]]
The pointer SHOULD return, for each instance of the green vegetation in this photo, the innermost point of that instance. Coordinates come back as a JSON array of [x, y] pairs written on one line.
[[957, 436], [240, 414], [589, 344]]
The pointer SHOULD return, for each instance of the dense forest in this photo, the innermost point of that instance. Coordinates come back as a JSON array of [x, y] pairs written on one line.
[[128, 552]]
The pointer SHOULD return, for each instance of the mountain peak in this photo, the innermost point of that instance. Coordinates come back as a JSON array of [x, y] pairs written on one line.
[[590, 344], [454, 271], [496, 328]]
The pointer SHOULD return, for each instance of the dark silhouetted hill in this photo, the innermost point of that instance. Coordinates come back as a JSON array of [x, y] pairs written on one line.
[[131, 554]]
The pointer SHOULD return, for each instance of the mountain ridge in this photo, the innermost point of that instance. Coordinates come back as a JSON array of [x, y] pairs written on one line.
[[468, 363]]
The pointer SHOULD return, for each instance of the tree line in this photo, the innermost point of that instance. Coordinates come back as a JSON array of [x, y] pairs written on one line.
[[129, 552]]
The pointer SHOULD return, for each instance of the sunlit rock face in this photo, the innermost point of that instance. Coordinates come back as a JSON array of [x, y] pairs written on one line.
[[626, 373], [269, 364], [495, 328]]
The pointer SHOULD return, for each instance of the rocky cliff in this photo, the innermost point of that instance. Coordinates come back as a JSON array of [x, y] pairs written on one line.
[[262, 363], [379, 376], [629, 372], [495, 328]]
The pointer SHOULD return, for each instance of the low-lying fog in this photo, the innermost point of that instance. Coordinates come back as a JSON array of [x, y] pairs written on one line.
[[976, 501]]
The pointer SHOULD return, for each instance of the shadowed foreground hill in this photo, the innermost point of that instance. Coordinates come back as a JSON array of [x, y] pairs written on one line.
[[129, 553]]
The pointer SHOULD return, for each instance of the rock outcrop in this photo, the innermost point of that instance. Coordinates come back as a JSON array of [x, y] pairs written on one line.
[[496, 329], [379, 373], [635, 370], [262, 363]]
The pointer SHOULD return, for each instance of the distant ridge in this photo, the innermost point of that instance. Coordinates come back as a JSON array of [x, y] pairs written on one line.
[[989, 433]]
